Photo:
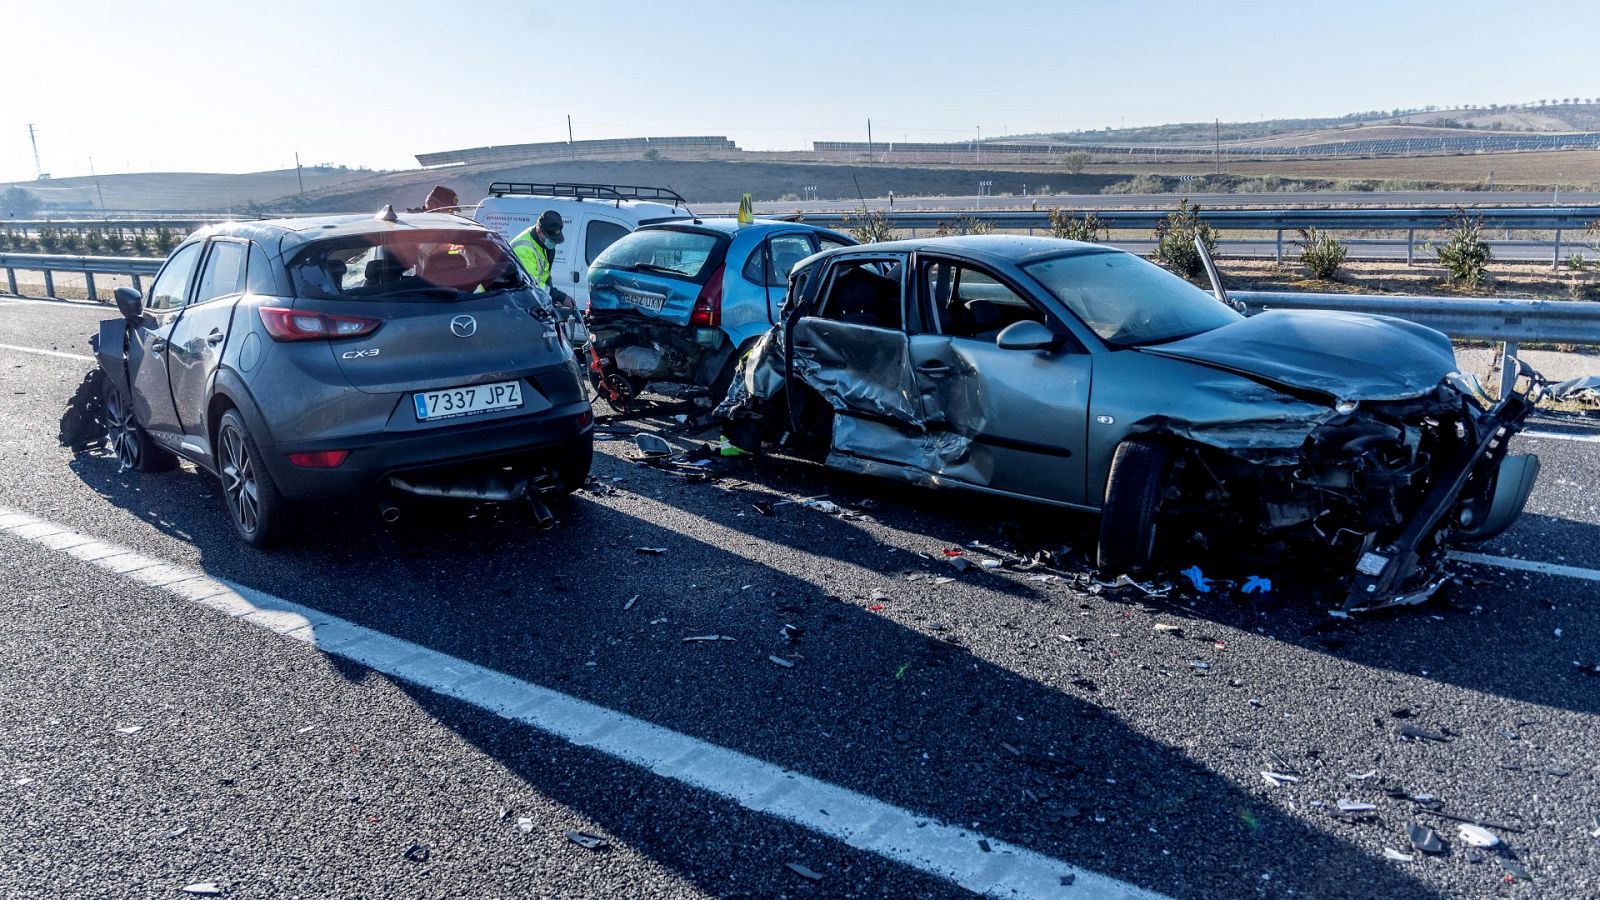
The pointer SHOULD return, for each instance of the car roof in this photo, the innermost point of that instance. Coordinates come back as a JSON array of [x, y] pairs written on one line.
[[294, 233], [1016, 249]]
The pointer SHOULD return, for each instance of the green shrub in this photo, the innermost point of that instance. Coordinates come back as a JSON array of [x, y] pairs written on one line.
[[1321, 253], [1143, 183], [869, 226], [1465, 256], [964, 225], [1576, 262], [166, 239], [1175, 236], [1075, 161], [1067, 226]]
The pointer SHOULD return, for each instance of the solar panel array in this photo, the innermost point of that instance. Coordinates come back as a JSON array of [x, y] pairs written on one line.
[[1484, 143], [558, 150]]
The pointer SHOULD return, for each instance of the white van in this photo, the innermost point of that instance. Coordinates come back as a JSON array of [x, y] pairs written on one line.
[[593, 216]]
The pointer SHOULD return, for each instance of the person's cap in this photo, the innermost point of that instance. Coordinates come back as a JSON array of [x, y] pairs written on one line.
[[550, 224]]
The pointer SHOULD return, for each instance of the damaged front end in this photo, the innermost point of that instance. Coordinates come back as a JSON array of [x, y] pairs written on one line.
[[1392, 484], [629, 351]]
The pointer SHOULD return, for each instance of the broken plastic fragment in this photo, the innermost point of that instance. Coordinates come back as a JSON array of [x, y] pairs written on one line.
[[1198, 579], [587, 841], [1163, 628], [203, 889], [131, 729], [417, 853], [1424, 838], [1256, 584], [1416, 732], [1514, 868], [943, 579], [651, 551], [960, 563], [1397, 856], [704, 638], [1364, 775], [781, 662], [793, 632], [1354, 806], [524, 823], [652, 447], [1478, 836], [804, 872], [1278, 779], [631, 601]]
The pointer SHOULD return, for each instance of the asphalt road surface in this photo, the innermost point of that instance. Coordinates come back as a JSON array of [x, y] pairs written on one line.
[[427, 711]]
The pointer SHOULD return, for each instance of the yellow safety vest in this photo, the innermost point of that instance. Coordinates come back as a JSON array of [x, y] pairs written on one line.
[[533, 256]]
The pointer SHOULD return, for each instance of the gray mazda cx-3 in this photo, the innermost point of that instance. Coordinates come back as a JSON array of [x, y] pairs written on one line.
[[387, 356]]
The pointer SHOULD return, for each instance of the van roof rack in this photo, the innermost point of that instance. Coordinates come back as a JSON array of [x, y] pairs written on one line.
[[580, 191]]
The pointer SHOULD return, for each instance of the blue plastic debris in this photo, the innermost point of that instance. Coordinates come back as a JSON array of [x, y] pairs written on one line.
[[1201, 582], [1256, 584]]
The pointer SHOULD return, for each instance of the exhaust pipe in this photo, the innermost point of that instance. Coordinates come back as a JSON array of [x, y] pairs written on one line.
[[542, 516], [388, 512]]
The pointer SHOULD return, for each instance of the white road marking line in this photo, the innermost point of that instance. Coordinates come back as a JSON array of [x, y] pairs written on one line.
[[1563, 436], [1527, 565], [863, 822], [46, 352]]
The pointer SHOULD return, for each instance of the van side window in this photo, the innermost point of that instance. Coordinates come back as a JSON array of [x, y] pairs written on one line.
[[598, 235]]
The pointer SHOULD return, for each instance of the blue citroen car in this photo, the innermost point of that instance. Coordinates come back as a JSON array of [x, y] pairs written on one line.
[[681, 302]]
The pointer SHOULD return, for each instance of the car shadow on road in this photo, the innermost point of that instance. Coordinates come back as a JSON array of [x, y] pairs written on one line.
[[871, 703]]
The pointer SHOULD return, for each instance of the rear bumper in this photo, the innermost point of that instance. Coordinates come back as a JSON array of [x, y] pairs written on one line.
[[373, 458]]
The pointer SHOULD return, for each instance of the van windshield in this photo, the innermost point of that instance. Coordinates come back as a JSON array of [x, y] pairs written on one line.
[[428, 265], [675, 253]]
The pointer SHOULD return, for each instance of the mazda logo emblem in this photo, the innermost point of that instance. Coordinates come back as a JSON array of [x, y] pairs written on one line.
[[463, 326]]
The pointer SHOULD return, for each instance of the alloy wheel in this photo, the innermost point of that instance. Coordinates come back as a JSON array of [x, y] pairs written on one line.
[[122, 432], [239, 481]]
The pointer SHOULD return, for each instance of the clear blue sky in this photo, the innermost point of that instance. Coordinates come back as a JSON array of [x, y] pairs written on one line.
[[234, 86]]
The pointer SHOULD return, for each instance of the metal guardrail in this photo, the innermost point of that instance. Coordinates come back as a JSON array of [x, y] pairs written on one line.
[[1492, 319], [87, 266], [1277, 220]]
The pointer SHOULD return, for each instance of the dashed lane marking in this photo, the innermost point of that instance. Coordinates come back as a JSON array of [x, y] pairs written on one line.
[[977, 863], [46, 352], [1588, 438], [1527, 565]]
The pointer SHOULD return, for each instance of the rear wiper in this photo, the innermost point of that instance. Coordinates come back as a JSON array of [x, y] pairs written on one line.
[[652, 267]]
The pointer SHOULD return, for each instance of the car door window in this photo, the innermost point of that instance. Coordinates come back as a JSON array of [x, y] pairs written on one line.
[[786, 250], [968, 302], [829, 242], [865, 292], [172, 285], [598, 235], [224, 272], [756, 264]]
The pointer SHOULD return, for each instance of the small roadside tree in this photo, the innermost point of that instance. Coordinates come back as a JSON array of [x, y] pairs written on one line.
[[18, 203], [869, 226], [1465, 256], [1075, 162], [1175, 237], [1069, 227], [1321, 253]]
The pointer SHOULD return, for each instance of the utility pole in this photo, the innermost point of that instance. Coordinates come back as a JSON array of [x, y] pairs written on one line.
[[298, 177], [869, 139], [98, 192], [1219, 147], [572, 152], [977, 146], [38, 167]]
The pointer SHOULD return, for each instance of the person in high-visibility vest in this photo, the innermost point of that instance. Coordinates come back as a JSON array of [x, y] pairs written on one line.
[[536, 249]]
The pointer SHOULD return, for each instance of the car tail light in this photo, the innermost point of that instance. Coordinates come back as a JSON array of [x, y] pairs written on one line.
[[322, 459], [708, 306], [302, 325]]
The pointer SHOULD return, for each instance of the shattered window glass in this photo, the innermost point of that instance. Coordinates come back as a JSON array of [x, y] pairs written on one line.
[[1129, 301], [864, 293]]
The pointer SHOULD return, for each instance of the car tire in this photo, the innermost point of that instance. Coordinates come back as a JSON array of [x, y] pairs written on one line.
[[571, 464], [1133, 498], [259, 513], [126, 438]]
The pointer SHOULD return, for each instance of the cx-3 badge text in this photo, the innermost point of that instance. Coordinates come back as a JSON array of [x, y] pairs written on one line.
[[463, 326], [359, 354]]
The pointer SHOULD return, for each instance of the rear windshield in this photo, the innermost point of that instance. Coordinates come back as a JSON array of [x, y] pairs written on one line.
[[665, 251], [1129, 301], [429, 265]]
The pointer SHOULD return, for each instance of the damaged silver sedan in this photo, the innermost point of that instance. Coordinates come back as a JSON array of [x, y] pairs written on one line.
[[1085, 377]]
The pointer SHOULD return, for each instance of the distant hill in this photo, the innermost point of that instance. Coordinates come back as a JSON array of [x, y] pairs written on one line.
[[184, 190]]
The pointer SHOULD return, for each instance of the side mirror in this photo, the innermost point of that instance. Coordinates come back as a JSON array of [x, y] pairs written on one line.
[[130, 302], [1026, 335]]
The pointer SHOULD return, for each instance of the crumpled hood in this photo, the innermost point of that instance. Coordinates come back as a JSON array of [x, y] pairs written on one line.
[[1348, 356]]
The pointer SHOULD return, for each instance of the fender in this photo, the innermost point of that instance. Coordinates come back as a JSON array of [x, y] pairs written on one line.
[[111, 351], [227, 383]]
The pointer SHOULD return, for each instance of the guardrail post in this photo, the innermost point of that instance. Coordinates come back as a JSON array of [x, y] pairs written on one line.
[[1411, 246], [49, 284], [1277, 254], [1556, 263], [88, 280], [138, 284], [1508, 350], [11, 280]]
